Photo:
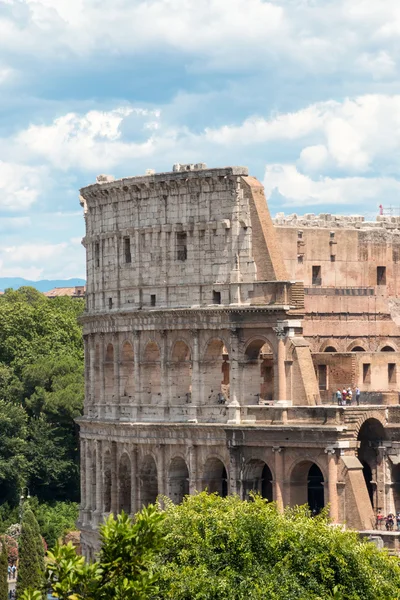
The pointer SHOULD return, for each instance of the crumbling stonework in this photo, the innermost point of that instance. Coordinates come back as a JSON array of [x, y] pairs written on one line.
[[198, 372]]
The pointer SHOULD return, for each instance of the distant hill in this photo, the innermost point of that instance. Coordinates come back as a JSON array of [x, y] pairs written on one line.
[[44, 285]]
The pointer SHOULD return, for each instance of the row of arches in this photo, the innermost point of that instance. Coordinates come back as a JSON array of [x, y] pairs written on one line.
[[152, 378], [132, 492], [357, 347]]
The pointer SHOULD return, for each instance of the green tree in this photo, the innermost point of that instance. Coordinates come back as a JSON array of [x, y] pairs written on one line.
[[13, 447], [31, 566], [3, 572], [218, 548]]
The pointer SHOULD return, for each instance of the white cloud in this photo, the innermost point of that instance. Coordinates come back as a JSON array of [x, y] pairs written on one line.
[[43, 260], [299, 189], [20, 185]]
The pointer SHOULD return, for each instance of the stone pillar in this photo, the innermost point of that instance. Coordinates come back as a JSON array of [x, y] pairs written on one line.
[[195, 369], [280, 334], [234, 470], [83, 473], [193, 481], [134, 480], [99, 477], [116, 391], [332, 485], [114, 478], [101, 399], [88, 474], [136, 372], [234, 384], [92, 372], [165, 399], [279, 477], [161, 474]]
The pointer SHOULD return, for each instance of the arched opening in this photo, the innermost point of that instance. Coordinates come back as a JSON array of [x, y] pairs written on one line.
[[257, 478], [124, 485], [258, 372], [330, 349], [148, 481], [357, 349], [151, 374], [216, 373], [109, 373], [126, 370], [315, 489], [307, 486], [215, 477], [107, 483], [387, 349], [371, 436], [180, 373], [178, 480]]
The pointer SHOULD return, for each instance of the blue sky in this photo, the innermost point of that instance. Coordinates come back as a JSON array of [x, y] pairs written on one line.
[[306, 93]]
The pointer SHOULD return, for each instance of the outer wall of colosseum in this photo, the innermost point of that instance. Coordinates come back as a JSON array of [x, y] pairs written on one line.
[[210, 365]]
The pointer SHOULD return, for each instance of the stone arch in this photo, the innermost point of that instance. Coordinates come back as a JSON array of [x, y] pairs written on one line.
[[178, 480], [215, 476], [370, 435], [180, 373], [107, 482], [387, 348], [148, 481], [125, 484], [109, 373], [258, 371], [356, 346], [127, 370], [151, 373], [257, 477], [329, 348], [307, 485], [370, 416], [216, 372]]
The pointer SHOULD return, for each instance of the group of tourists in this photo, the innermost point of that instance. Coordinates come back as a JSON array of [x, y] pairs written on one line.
[[345, 397], [12, 571], [388, 522]]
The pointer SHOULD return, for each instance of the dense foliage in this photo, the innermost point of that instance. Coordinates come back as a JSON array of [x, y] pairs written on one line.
[[212, 548], [41, 393], [31, 555]]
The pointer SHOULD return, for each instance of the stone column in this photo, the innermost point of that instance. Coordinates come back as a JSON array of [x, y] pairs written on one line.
[[161, 474], [101, 399], [234, 384], [234, 470], [193, 482], [279, 477], [114, 478], [88, 476], [332, 485], [165, 399], [134, 480], [195, 369], [83, 473], [99, 477], [92, 371], [280, 334], [116, 391], [136, 374]]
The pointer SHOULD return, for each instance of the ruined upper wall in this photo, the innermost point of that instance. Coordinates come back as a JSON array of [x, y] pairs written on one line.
[[328, 220], [166, 239]]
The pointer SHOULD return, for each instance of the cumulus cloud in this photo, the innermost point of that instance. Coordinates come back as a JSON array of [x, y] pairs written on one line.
[[20, 185], [42, 260]]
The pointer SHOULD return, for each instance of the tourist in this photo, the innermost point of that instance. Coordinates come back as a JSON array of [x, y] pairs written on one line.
[[13, 569], [389, 522], [379, 519], [9, 572], [339, 397], [358, 393], [349, 396], [344, 396]]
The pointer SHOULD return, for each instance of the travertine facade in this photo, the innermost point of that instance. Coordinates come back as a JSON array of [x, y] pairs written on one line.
[[198, 372]]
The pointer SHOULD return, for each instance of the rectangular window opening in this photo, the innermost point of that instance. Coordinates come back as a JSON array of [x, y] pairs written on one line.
[[216, 297], [316, 275], [97, 254], [333, 258], [300, 259], [392, 378], [110, 303], [380, 275], [366, 373], [127, 250], [152, 300], [181, 246], [322, 377]]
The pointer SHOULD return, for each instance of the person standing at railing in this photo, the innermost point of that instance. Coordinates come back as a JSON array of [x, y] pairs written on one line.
[[358, 394]]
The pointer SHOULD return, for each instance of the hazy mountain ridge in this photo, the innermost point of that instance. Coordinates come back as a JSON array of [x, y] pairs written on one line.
[[43, 285]]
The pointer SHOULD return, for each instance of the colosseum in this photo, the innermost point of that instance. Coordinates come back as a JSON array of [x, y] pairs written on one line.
[[215, 340]]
